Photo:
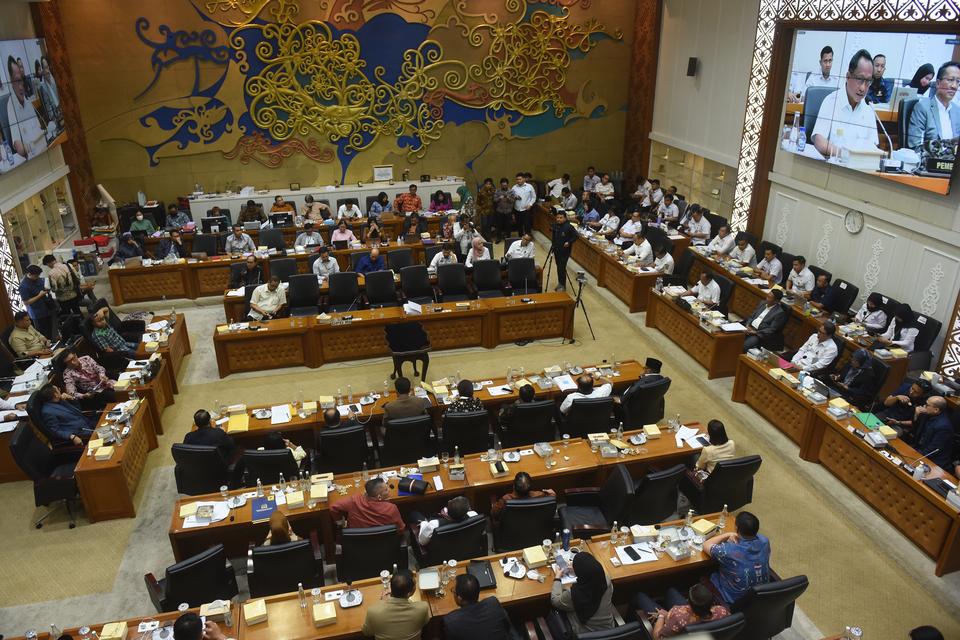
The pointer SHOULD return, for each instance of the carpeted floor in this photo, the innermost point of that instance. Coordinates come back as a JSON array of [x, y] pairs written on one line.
[[861, 570]]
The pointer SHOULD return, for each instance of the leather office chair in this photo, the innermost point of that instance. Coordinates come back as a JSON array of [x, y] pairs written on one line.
[[408, 342], [928, 330], [751, 238], [236, 273], [415, 284], [131, 330], [454, 540], [588, 415], [430, 251], [313, 257], [881, 371], [591, 511], [278, 568], [507, 243], [681, 270], [247, 295], [381, 290], [655, 496], [731, 484], [112, 361], [303, 295], [643, 403], [283, 268], [817, 272], [267, 466], [777, 250], [903, 119], [629, 631], [532, 422], [223, 212], [199, 469], [726, 290], [33, 409], [525, 523], [202, 578], [272, 239], [365, 552], [343, 449], [811, 107], [786, 259], [848, 295], [452, 284], [768, 608], [406, 440], [522, 276], [889, 306], [487, 279], [356, 257], [397, 259], [468, 431], [716, 221], [370, 201], [725, 628], [208, 243], [344, 292], [51, 472]]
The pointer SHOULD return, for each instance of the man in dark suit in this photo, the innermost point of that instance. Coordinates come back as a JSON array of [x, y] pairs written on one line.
[[765, 325], [406, 405], [933, 432], [564, 235], [209, 435], [476, 620], [855, 382]]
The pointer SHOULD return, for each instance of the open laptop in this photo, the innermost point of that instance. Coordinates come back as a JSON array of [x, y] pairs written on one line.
[[251, 226]]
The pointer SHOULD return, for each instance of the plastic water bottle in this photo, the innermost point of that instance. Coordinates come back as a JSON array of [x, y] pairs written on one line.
[[614, 533], [302, 595], [365, 473], [722, 522], [688, 521], [795, 131], [620, 431], [259, 488], [456, 454], [659, 284], [282, 483], [802, 140]]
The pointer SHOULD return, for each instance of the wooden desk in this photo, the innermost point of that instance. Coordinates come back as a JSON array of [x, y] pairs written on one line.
[[909, 505], [309, 342], [9, 470], [107, 487], [600, 259], [783, 406], [158, 394], [928, 183], [174, 351], [165, 619], [800, 324], [716, 350]]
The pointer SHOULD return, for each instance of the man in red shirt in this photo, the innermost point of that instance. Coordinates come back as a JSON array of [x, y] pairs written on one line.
[[408, 202], [370, 509]]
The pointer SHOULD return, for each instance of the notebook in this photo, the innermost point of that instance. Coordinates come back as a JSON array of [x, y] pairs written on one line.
[[483, 572]]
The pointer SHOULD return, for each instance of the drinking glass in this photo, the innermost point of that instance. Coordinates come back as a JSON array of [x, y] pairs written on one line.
[[445, 458], [223, 491], [385, 580], [356, 481], [84, 633], [566, 440], [315, 592]]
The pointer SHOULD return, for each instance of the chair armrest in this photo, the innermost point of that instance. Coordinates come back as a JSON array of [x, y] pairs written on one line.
[[582, 496], [437, 294], [155, 591], [62, 454], [506, 288], [401, 297], [540, 625], [471, 290]]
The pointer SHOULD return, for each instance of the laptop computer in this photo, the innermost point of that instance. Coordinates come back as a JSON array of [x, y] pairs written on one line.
[[251, 226]]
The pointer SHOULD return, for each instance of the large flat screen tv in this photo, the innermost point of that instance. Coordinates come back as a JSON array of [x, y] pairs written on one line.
[[31, 119], [885, 104]]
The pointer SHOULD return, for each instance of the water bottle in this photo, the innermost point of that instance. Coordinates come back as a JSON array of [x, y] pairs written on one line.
[[259, 488], [688, 521], [802, 140], [620, 431], [722, 522], [795, 131], [365, 473], [614, 533], [133, 395], [565, 539], [659, 284], [55, 632], [302, 595], [282, 483], [456, 454]]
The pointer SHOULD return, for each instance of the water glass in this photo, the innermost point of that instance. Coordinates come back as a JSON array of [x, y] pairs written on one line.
[[445, 458], [566, 440], [315, 592], [223, 491], [356, 481]]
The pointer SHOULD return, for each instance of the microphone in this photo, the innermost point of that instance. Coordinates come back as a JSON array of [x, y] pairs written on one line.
[[355, 301], [888, 163], [935, 451]]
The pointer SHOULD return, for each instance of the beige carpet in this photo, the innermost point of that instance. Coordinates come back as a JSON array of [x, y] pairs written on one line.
[[861, 570]]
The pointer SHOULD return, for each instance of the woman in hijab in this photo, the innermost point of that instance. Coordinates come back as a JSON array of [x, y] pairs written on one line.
[[922, 79], [478, 251], [855, 380], [902, 331], [588, 604]]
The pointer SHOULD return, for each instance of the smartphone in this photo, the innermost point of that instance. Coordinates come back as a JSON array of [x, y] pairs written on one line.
[[632, 553]]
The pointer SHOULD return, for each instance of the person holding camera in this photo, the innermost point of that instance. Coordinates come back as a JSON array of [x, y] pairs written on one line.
[[564, 235]]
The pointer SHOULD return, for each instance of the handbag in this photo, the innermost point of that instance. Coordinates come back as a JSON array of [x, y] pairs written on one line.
[[413, 486]]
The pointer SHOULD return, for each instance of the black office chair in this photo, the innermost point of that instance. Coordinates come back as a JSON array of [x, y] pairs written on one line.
[[52, 473], [313, 257], [507, 243], [848, 294], [381, 290], [406, 440], [786, 259], [454, 541], [415, 284], [522, 276], [397, 259], [303, 295], [777, 250], [725, 628], [811, 107], [768, 608], [342, 450], [344, 292], [487, 279], [524, 523], [208, 243], [889, 306], [730, 483], [272, 239], [629, 631], [370, 201], [112, 361], [588, 415], [751, 238], [236, 273], [223, 212], [726, 291], [716, 221], [59, 446], [199, 469], [681, 270], [452, 285], [643, 403], [203, 578], [356, 257], [279, 568], [283, 268], [655, 496], [817, 272], [881, 371], [408, 342], [430, 251], [928, 330], [904, 114], [469, 431], [247, 295], [591, 511], [532, 422], [268, 465], [365, 552]]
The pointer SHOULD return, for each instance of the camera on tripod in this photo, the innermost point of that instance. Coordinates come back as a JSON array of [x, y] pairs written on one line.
[[581, 276]]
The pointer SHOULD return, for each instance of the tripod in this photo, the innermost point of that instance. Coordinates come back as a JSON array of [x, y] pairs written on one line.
[[549, 265], [581, 280]]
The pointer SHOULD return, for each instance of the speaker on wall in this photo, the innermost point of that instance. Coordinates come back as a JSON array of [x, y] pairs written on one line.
[[692, 66]]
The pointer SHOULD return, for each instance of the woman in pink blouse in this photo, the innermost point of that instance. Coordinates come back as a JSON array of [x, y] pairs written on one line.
[[440, 202], [342, 232]]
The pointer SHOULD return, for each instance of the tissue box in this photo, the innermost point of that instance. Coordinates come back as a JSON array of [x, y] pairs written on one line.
[[322, 477], [326, 402], [887, 432], [703, 527], [324, 614], [121, 385], [204, 512], [319, 491], [309, 408], [295, 499], [151, 346], [499, 469], [236, 408], [103, 453], [678, 550], [255, 611], [534, 557], [776, 373], [543, 449], [428, 464], [897, 352], [608, 450], [215, 610], [839, 403], [95, 443], [597, 437], [552, 372], [114, 631], [458, 472], [643, 533], [652, 431], [188, 509]]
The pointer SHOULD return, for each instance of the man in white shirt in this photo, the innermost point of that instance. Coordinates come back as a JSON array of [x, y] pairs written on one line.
[[770, 268], [309, 237], [664, 261], [937, 117], [444, 256], [557, 185], [348, 211], [818, 351], [707, 290], [640, 251], [607, 225], [586, 389], [591, 180], [845, 119], [457, 510], [605, 189], [744, 253], [326, 264], [653, 197], [20, 110], [643, 188], [824, 78], [522, 249], [667, 210], [526, 198], [801, 280], [698, 228], [722, 243], [568, 199], [630, 228], [238, 242], [267, 300]]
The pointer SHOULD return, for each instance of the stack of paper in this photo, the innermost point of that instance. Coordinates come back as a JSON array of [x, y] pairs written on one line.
[[281, 414], [565, 382]]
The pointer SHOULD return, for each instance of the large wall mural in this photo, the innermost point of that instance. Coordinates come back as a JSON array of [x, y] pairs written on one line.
[[330, 80]]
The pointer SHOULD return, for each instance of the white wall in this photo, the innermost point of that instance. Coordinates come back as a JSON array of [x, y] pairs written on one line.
[[704, 114]]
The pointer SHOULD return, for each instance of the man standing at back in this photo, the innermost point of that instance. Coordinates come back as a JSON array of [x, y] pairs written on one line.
[[395, 617], [526, 198], [564, 235]]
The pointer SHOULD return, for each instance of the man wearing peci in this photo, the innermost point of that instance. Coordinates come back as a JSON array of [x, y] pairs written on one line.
[[937, 117], [845, 120]]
